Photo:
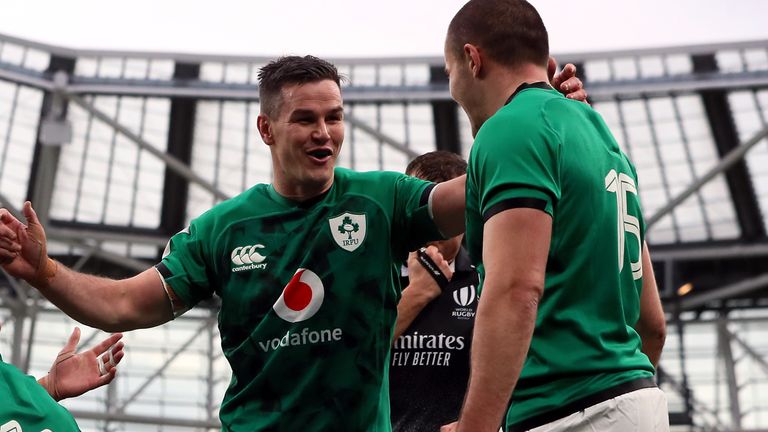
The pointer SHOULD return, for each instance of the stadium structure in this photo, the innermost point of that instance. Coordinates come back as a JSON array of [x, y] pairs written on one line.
[[119, 150]]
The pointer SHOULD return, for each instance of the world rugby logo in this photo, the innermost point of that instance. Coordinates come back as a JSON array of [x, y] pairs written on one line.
[[301, 298], [464, 296]]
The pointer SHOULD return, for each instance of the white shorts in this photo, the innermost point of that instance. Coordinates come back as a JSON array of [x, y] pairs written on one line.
[[643, 410]]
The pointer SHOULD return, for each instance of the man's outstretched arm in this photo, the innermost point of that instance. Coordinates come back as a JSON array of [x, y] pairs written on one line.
[[111, 305]]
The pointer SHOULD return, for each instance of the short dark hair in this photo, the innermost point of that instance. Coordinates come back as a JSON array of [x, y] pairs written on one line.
[[291, 70], [511, 32], [437, 166]]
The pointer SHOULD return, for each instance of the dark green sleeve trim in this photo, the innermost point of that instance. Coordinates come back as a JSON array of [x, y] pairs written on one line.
[[424, 200], [521, 202], [164, 271]]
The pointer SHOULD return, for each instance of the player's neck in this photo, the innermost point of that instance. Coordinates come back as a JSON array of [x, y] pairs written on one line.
[[513, 78], [499, 85], [301, 192]]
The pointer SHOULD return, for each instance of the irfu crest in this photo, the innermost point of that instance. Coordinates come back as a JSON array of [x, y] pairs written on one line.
[[348, 230]]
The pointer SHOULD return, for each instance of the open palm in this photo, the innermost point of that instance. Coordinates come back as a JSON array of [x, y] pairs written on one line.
[[73, 374]]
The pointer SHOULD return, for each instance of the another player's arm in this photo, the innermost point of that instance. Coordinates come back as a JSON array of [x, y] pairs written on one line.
[[448, 203], [651, 326], [566, 81], [108, 304], [410, 306], [421, 290], [515, 249]]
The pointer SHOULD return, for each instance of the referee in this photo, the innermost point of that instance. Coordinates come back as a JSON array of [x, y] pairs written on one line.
[[429, 363]]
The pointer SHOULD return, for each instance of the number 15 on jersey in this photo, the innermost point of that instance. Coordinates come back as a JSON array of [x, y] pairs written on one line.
[[621, 184]]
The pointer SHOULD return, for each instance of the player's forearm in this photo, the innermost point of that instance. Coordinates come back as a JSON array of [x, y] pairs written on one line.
[[502, 334], [94, 301], [652, 325], [448, 205], [410, 306]]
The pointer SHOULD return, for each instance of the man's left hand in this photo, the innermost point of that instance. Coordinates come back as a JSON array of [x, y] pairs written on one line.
[[73, 373]]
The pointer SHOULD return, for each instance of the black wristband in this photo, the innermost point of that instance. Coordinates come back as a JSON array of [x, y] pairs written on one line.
[[432, 268]]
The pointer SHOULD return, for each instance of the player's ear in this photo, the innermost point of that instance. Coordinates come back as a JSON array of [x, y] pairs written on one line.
[[474, 59], [264, 124]]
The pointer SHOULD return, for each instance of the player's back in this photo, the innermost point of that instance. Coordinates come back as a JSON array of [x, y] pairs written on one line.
[[584, 341]]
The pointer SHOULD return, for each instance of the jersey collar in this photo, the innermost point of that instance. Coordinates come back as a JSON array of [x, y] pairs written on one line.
[[297, 204], [524, 86]]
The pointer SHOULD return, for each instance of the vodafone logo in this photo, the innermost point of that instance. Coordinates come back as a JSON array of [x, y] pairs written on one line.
[[301, 298]]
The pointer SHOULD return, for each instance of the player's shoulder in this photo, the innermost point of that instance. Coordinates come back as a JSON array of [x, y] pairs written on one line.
[[366, 181], [379, 186], [346, 174], [532, 113], [246, 204], [540, 106], [522, 114], [521, 121]]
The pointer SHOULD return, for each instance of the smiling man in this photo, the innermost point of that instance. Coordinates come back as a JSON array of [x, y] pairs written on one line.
[[570, 326], [304, 267], [307, 309]]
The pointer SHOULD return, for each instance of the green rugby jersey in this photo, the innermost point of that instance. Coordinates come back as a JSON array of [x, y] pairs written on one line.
[[25, 406], [309, 297], [544, 151]]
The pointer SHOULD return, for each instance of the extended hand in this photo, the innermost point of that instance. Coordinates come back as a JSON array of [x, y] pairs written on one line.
[[566, 81], [23, 252], [73, 374]]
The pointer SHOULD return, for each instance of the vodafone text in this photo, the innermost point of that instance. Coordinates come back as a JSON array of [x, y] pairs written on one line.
[[303, 337]]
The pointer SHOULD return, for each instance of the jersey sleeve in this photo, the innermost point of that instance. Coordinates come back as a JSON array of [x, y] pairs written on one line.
[[516, 165], [413, 225], [187, 266]]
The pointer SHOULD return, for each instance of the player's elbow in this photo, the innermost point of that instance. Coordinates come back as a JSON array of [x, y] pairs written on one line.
[[115, 327], [522, 293], [529, 294], [653, 333], [109, 321], [659, 335], [124, 312], [122, 317]]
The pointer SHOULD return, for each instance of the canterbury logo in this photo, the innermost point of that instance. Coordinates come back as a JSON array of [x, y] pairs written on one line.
[[247, 255]]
